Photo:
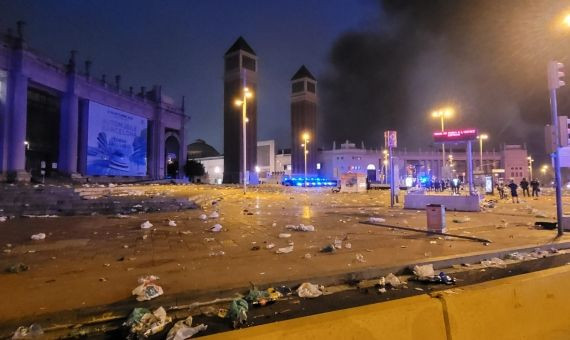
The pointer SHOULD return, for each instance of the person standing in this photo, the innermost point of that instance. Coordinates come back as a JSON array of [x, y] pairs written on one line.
[[524, 187], [535, 187], [513, 188]]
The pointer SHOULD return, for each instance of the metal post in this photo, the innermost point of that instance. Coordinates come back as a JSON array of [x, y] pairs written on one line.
[[305, 154], [392, 191], [556, 161], [480, 153], [470, 167], [244, 121], [442, 147]]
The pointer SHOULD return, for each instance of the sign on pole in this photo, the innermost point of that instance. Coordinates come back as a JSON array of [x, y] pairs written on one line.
[[463, 135], [390, 142], [390, 139]]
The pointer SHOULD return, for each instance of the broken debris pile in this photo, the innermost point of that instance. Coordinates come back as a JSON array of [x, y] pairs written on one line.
[[183, 330], [425, 273], [144, 323], [32, 332]]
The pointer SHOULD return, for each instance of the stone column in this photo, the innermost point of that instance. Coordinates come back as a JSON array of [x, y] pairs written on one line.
[[3, 125], [69, 129], [183, 151], [18, 99], [156, 160]]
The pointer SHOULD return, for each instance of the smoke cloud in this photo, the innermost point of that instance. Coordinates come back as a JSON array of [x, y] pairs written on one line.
[[485, 58]]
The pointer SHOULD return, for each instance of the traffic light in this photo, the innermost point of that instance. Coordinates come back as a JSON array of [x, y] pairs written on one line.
[[555, 75]]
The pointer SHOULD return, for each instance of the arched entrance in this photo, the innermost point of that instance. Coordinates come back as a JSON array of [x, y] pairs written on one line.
[[171, 154], [371, 172]]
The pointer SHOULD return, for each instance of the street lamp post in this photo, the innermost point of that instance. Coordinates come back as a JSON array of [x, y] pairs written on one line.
[[243, 103], [530, 160], [442, 114], [305, 152], [481, 138]]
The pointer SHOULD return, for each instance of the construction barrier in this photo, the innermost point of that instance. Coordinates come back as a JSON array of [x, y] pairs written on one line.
[[528, 306], [418, 317]]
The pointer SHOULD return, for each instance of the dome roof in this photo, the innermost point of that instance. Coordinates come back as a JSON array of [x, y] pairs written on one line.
[[199, 149]]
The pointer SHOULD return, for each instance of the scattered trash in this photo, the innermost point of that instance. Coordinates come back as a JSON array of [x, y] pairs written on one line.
[[144, 323], [307, 256], [376, 220], [3, 218], [238, 312], [424, 271], [183, 330], [262, 297], [328, 249], [360, 258], [300, 227], [34, 331], [337, 243], [419, 289], [18, 268], [393, 281], [433, 242], [38, 237], [217, 253], [171, 223], [461, 220], [214, 214], [309, 290], [284, 235], [348, 245], [382, 290], [284, 250], [216, 228], [146, 225], [203, 217], [269, 246], [494, 262], [255, 248], [147, 289]]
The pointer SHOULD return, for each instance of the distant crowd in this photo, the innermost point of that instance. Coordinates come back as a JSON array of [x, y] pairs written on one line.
[[524, 184], [455, 185]]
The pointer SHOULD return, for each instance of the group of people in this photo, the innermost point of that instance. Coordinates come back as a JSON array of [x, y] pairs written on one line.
[[440, 185], [524, 184]]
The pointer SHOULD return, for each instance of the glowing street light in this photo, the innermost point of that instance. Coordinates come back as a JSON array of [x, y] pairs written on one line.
[[566, 20], [481, 138], [243, 103], [305, 152], [442, 114]]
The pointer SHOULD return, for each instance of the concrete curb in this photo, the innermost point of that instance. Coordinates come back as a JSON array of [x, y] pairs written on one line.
[[67, 319]]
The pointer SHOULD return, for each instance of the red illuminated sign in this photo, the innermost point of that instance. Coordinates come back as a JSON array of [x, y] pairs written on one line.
[[455, 135]]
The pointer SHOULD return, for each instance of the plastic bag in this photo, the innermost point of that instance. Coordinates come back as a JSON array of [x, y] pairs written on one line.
[[183, 330], [309, 290]]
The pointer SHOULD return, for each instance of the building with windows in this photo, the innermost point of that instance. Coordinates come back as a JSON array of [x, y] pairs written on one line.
[[60, 120], [270, 168], [374, 162]]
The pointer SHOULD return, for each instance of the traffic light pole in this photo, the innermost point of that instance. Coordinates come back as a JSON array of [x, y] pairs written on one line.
[[556, 160]]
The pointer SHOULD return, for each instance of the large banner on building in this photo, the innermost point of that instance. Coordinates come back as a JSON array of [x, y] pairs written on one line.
[[116, 142]]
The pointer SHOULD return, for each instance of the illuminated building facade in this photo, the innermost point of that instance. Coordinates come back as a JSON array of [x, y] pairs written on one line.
[[58, 120]]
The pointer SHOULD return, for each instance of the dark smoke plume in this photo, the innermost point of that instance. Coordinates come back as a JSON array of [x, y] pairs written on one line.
[[485, 58]]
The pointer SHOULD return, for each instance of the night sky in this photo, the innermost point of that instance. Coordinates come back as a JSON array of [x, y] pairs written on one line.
[[180, 45], [380, 64]]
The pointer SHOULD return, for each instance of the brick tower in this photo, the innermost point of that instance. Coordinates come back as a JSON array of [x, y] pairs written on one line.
[[240, 71], [303, 120]]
